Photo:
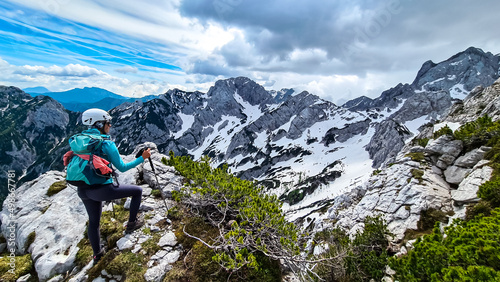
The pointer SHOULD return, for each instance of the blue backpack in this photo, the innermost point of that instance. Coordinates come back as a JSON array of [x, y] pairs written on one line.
[[83, 162]]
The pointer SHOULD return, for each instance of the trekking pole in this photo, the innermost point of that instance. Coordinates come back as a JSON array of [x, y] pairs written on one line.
[[156, 176]]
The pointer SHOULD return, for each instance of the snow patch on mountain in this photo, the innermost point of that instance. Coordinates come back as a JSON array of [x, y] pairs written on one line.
[[458, 91], [413, 125], [187, 122], [252, 112]]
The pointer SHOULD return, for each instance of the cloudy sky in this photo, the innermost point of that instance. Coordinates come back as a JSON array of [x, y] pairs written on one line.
[[336, 49]]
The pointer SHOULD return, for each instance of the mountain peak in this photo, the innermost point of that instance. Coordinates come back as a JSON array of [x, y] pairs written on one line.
[[460, 73], [475, 50], [37, 90], [249, 90]]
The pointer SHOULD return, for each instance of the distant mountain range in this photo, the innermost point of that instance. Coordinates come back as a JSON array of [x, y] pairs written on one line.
[[36, 90], [81, 99]]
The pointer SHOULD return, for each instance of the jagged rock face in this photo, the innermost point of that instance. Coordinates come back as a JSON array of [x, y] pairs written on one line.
[[239, 123], [403, 190], [458, 75], [282, 95], [31, 128], [481, 101], [391, 134], [399, 196], [430, 95], [222, 94], [387, 141], [461, 69], [388, 99], [430, 104], [446, 179], [468, 187]]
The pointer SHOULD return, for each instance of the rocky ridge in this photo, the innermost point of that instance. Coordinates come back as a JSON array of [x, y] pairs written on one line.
[[34, 134], [57, 223], [286, 140], [440, 176]]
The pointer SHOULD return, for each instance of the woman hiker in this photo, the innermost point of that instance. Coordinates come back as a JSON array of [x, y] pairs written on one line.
[[92, 194]]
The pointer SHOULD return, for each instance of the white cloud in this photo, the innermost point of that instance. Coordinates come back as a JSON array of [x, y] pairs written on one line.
[[127, 69], [61, 78], [71, 70]]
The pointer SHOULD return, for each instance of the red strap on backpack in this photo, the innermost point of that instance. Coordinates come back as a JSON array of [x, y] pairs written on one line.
[[67, 157], [99, 163]]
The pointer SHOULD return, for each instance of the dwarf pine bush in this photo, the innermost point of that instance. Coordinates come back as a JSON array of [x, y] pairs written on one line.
[[446, 130], [250, 222], [482, 131], [359, 259], [467, 251]]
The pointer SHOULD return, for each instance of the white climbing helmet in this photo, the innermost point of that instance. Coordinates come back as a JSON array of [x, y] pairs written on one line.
[[91, 116]]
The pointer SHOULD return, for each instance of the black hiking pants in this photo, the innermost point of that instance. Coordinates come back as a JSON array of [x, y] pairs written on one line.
[[93, 196]]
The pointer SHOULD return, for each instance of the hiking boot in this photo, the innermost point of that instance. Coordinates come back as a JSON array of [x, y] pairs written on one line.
[[134, 225], [98, 257]]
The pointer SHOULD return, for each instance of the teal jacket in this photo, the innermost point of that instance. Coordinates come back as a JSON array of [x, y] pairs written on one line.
[[108, 151]]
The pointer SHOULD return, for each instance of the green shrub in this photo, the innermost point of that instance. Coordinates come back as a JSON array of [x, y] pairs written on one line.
[[490, 191], [482, 208], [174, 213], [423, 142], [417, 174], [29, 240], [468, 252], [420, 142], [368, 257], [250, 223], [295, 196], [446, 130], [482, 131], [156, 193], [429, 217], [360, 259]]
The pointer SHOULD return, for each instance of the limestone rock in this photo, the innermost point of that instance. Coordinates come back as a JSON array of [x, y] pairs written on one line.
[[455, 174], [444, 145], [168, 239], [58, 223], [467, 190], [399, 197], [471, 158], [157, 273]]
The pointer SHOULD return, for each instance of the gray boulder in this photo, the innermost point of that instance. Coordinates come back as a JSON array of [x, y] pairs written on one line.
[[455, 175], [58, 223], [467, 190]]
